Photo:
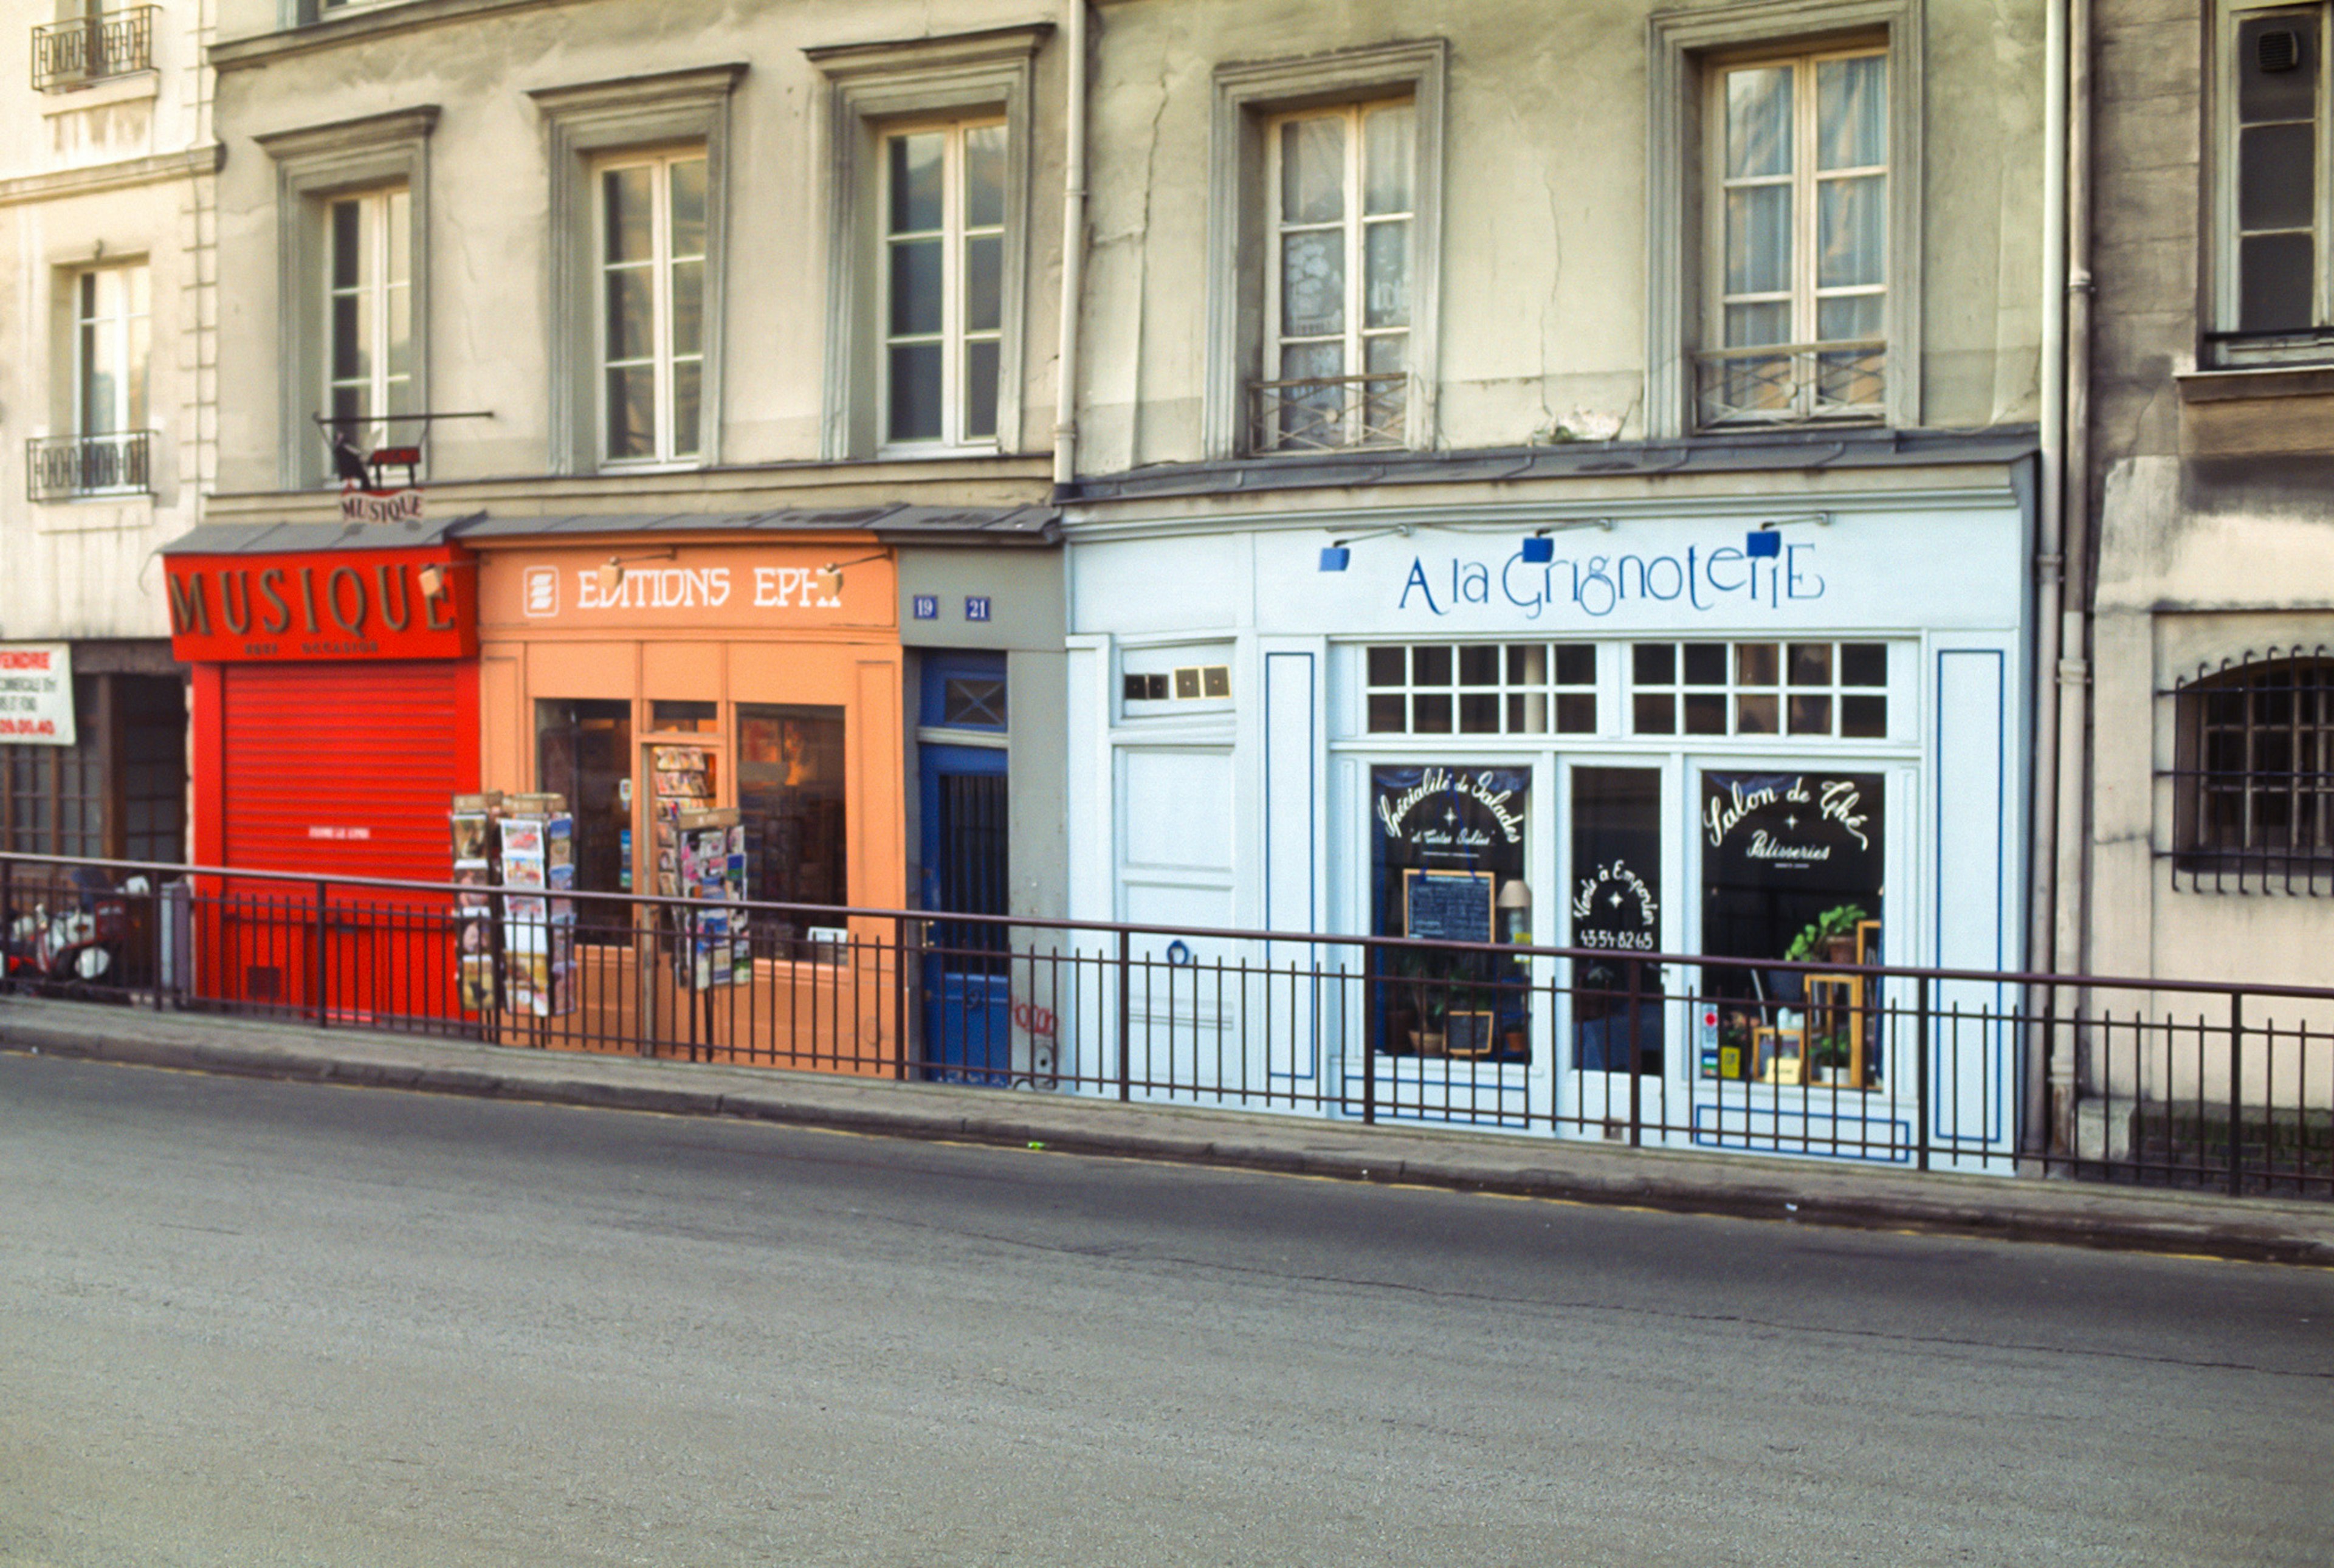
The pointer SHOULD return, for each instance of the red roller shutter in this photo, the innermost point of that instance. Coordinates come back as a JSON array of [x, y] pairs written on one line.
[[346, 769]]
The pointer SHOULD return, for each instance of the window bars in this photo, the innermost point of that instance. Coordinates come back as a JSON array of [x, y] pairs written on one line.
[[74, 54], [1330, 413], [2252, 775]]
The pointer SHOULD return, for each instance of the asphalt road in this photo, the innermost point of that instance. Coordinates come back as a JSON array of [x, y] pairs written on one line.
[[249, 1324]]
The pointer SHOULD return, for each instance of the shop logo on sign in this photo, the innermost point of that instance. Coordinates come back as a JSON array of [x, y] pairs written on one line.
[[539, 591]]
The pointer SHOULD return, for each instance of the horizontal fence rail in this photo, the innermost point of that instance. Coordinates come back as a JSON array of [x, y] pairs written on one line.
[[2176, 1083]]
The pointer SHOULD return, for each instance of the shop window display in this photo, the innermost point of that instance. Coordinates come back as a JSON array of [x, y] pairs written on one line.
[[1792, 870], [1617, 880], [1447, 862], [584, 751], [1797, 688], [790, 794]]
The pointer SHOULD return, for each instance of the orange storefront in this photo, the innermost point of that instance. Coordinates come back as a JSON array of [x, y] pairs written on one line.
[[642, 672]]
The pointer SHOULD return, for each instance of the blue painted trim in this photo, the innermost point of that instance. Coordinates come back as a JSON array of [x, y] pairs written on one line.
[[1312, 817], [939, 664]]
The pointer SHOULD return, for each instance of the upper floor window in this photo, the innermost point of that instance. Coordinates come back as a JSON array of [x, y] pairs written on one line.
[[1341, 198], [651, 228], [89, 43], [943, 283], [2254, 775], [1799, 205], [112, 328], [369, 310], [2272, 299]]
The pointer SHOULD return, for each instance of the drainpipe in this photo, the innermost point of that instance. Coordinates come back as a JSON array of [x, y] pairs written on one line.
[[1074, 253], [2074, 932], [2042, 861]]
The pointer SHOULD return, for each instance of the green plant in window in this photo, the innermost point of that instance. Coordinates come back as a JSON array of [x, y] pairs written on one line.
[[1808, 946]]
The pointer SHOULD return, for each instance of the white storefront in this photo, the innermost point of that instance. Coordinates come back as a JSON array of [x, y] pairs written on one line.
[[1699, 726]]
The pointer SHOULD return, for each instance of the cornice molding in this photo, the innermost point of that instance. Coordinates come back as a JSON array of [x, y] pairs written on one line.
[[191, 164], [369, 131], [410, 16]]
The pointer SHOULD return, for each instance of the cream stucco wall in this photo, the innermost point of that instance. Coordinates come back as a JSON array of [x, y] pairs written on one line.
[[116, 171]]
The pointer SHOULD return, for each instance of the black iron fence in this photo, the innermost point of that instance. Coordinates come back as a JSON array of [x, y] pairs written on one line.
[[2175, 1083], [59, 467], [92, 48]]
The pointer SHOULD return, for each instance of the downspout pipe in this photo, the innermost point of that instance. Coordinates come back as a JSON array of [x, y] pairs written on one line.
[[2049, 568], [1074, 253]]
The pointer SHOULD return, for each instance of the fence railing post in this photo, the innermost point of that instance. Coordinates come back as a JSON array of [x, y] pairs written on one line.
[[2236, 1093], [1125, 1016], [1372, 988], [323, 979], [1637, 1057], [1921, 1069], [900, 998]]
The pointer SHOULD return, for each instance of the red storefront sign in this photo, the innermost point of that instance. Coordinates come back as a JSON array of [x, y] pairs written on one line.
[[392, 604]]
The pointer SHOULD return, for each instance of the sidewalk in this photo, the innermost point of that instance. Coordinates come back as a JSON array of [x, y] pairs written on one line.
[[1754, 1186]]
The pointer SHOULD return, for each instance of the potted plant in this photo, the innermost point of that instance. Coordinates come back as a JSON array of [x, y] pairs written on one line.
[[1829, 1058], [1830, 938]]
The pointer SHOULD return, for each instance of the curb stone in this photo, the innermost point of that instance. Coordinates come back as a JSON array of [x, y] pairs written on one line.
[[1758, 1186]]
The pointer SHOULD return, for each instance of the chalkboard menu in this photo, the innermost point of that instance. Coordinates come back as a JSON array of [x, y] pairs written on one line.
[[1447, 906]]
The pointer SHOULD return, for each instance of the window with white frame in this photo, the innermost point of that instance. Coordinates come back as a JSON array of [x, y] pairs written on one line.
[[112, 331], [1837, 689], [1799, 209], [943, 283], [1342, 195], [369, 309], [1481, 688], [651, 231], [2272, 297]]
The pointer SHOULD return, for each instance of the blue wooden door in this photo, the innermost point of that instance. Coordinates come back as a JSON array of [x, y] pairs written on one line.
[[968, 986]]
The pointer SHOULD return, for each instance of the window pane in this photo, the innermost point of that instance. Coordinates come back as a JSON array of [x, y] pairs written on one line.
[[1430, 714], [1429, 665], [1313, 284], [2288, 94], [1576, 664], [1749, 326], [1527, 664], [687, 237], [1851, 113], [1754, 715], [980, 391], [1864, 664], [915, 400], [2274, 283], [1309, 361], [631, 411], [1755, 664], [629, 302], [916, 285], [1575, 712], [630, 233], [348, 247], [687, 396], [916, 181], [688, 307], [1385, 666], [1384, 355], [1758, 122], [984, 177], [1388, 136], [1759, 239], [1387, 713], [1653, 663], [1654, 713], [1864, 718], [1851, 236], [2277, 173], [1705, 713], [1705, 664], [1810, 715], [350, 358], [984, 283], [1479, 714], [1847, 319], [1385, 274], [1479, 665], [1527, 713], [1313, 169], [350, 403]]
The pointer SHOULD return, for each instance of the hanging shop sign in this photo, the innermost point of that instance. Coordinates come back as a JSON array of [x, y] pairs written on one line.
[[401, 604], [36, 694]]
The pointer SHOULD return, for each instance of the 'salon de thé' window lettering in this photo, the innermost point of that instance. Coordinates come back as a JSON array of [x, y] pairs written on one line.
[[1337, 313], [1482, 688], [651, 223], [944, 274], [1800, 247], [1798, 688]]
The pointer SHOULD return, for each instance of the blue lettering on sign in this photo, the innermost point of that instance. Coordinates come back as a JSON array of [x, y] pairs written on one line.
[[976, 607], [1726, 578], [928, 607]]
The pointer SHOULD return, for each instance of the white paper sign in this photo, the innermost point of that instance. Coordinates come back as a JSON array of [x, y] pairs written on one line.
[[36, 694]]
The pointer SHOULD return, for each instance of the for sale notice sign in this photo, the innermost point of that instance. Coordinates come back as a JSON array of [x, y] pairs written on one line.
[[36, 694]]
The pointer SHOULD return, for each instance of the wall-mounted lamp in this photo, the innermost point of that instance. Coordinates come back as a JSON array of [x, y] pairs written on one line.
[[1540, 549], [1335, 555], [830, 576], [1764, 543], [612, 570], [433, 581]]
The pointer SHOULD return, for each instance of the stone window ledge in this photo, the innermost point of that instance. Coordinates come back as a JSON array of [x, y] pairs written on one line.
[[2225, 386]]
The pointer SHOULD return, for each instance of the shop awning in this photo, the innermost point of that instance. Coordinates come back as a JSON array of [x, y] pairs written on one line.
[[309, 538], [890, 523]]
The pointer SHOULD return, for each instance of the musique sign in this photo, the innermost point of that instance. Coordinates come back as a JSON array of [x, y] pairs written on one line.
[[323, 605]]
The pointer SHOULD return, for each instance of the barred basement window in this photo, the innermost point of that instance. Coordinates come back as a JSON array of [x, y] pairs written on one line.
[[2253, 780], [1483, 688], [1800, 688]]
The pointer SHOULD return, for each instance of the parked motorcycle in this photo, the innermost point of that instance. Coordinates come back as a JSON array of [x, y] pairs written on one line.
[[76, 946]]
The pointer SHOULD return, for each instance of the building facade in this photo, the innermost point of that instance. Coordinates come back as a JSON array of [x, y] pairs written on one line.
[[1580, 467], [107, 231]]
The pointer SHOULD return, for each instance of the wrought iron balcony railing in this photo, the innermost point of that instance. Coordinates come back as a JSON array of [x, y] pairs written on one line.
[[92, 48], [1791, 383], [61, 468], [1329, 413]]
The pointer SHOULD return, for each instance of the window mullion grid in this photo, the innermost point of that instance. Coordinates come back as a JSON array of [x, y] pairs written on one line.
[[952, 248]]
